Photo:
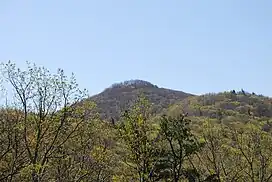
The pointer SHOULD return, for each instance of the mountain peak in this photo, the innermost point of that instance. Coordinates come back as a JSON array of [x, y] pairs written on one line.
[[119, 96], [136, 83]]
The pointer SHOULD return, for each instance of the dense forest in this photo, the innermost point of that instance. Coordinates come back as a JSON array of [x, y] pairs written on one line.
[[52, 131]]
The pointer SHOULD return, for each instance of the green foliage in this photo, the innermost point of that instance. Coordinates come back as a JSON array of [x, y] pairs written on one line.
[[50, 140], [235, 153], [138, 135], [181, 144], [50, 131]]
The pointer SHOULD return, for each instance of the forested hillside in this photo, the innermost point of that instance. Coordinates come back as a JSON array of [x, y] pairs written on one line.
[[228, 104], [120, 96], [53, 131]]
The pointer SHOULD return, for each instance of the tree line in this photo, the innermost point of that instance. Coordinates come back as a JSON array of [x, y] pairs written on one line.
[[48, 132]]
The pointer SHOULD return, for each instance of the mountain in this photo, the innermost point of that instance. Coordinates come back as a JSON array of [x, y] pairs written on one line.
[[224, 105], [118, 97]]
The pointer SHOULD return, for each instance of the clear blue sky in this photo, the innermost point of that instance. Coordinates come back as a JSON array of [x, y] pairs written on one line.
[[196, 46]]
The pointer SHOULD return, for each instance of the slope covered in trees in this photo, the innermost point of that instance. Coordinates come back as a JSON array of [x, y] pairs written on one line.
[[52, 132], [115, 99], [229, 103]]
